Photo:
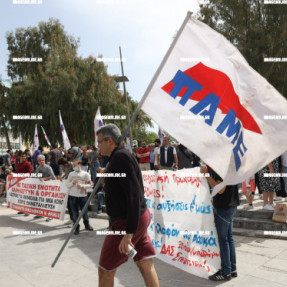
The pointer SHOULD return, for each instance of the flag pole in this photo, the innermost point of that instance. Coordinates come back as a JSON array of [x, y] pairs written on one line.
[[135, 114]]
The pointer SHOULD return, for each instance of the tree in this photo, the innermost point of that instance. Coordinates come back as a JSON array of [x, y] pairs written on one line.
[[3, 121], [257, 30], [62, 81]]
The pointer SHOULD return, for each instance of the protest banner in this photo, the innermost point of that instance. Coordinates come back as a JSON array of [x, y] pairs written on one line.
[[182, 227], [44, 198]]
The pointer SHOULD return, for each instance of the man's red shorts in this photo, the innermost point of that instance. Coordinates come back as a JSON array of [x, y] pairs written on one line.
[[111, 258]]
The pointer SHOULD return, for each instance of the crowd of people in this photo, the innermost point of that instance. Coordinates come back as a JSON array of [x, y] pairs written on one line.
[[153, 156], [78, 166], [124, 196]]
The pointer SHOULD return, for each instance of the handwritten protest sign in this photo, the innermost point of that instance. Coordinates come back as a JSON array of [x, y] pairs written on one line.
[[182, 227], [44, 198]]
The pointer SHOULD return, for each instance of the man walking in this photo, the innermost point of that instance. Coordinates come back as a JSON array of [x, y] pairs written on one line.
[[126, 206]]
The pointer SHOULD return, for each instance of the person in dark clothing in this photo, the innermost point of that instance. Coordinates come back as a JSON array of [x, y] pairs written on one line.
[[167, 157], [184, 156], [126, 206], [225, 204], [54, 156]]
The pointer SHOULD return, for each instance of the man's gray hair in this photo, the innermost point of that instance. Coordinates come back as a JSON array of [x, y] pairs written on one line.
[[40, 156], [111, 131]]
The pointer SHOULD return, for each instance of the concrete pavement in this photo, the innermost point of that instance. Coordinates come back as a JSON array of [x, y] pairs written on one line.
[[26, 259]]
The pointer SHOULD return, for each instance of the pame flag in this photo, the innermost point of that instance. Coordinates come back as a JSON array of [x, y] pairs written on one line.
[[206, 96]]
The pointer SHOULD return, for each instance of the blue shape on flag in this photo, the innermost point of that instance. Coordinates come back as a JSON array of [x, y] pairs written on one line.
[[210, 100], [229, 124], [182, 80]]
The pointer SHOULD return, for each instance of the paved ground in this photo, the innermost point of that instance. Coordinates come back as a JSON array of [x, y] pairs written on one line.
[[26, 260]]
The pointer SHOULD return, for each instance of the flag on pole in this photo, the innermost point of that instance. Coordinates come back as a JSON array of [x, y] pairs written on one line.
[[36, 139], [161, 135], [66, 141], [207, 97], [46, 137], [98, 122]]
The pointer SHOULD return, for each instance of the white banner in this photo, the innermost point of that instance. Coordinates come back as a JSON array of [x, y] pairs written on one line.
[[44, 198], [182, 228]]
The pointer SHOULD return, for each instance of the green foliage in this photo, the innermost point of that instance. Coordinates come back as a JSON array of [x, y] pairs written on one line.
[[62, 81], [257, 30]]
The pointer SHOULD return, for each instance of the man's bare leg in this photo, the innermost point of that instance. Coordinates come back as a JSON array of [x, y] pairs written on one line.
[[148, 272], [106, 278]]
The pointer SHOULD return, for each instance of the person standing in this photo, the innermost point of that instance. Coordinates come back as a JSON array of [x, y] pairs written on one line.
[[225, 204], [23, 167], [67, 168], [47, 174], [167, 156], [143, 154], [93, 162], [126, 206], [269, 183], [8, 159], [54, 156], [28, 155], [77, 183], [35, 162], [84, 159]]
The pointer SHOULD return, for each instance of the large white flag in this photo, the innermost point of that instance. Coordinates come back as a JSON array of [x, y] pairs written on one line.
[[204, 75], [66, 141], [36, 139], [46, 137], [98, 122]]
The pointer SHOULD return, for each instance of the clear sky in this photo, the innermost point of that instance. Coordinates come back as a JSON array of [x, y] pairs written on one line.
[[143, 28]]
